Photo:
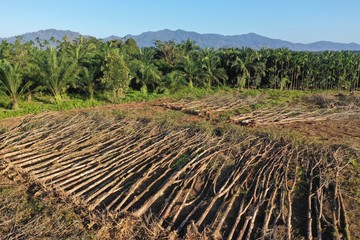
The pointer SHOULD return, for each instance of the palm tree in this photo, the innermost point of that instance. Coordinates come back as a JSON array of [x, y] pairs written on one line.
[[285, 67], [273, 67], [212, 70], [146, 55], [87, 81], [82, 51], [241, 72], [144, 70], [131, 48], [356, 72], [187, 47], [11, 82], [56, 73], [303, 59], [175, 80], [147, 75], [310, 71], [190, 69], [166, 51], [257, 69], [167, 55]]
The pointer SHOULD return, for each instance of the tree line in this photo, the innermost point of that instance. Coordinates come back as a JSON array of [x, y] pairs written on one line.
[[90, 67]]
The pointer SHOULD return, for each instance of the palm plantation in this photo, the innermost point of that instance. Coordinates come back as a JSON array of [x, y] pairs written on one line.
[[96, 68]]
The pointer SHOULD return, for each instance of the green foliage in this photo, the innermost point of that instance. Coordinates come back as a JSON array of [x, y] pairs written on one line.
[[116, 74], [131, 48], [144, 70], [36, 205], [82, 51], [19, 54], [137, 96], [167, 54], [42, 104], [283, 82], [56, 73], [191, 68], [11, 82], [101, 71], [180, 161], [191, 93], [174, 81], [87, 81], [213, 72], [242, 73]]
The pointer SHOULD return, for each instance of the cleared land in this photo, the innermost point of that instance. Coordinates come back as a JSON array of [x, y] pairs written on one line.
[[233, 166]]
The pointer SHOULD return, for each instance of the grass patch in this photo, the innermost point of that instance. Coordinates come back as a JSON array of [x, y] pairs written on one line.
[[45, 103], [180, 161], [38, 106], [42, 102]]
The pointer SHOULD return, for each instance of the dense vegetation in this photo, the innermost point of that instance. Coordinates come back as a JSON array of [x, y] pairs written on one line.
[[108, 70]]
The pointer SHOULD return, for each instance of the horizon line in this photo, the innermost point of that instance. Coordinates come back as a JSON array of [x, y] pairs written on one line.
[[179, 29]]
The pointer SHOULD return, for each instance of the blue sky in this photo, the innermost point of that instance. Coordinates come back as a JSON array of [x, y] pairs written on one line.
[[294, 20]]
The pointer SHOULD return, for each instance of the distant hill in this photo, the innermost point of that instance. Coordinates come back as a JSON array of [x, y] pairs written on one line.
[[45, 35], [251, 40]]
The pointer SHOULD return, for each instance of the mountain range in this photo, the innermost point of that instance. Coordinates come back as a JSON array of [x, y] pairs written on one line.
[[251, 40]]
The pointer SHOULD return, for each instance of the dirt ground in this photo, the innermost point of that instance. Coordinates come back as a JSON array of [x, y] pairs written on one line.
[[53, 221], [330, 131], [26, 216], [342, 132]]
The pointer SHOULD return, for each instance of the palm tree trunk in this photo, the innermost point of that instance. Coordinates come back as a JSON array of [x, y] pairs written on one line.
[[14, 104], [118, 93], [58, 98], [191, 85], [209, 83], [91, 93], [29, 97], [143, 89]]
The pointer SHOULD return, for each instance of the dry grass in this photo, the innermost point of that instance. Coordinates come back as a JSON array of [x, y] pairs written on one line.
[[28, 212], [25, 216]]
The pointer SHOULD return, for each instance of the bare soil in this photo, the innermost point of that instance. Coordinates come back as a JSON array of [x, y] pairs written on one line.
[[346, 132], [156, 170]]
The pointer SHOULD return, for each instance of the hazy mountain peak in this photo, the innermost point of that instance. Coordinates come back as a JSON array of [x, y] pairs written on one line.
[[252, 40], [45, 34]]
